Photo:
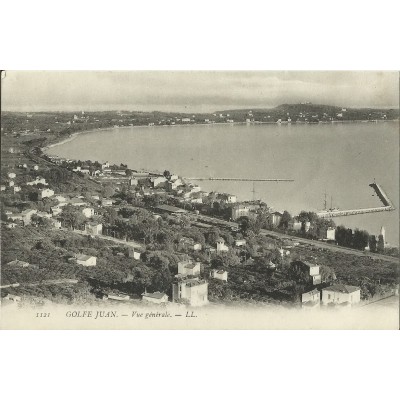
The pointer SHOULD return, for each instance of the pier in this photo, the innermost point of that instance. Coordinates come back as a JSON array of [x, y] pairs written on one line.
[[240, 179], [387, 206]]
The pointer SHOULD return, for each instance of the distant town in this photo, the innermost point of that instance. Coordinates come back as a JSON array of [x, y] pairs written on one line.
[[89, 231]]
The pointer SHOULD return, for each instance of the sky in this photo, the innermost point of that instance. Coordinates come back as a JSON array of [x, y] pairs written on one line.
[[194, 91]]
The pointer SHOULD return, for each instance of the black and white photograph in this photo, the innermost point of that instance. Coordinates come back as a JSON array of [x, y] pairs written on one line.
[[200, 199]]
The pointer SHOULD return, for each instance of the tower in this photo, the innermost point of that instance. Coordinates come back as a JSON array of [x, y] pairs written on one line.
[[383, 233]]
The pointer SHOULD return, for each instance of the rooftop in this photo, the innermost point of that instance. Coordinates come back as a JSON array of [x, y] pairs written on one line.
[[342, 288], [83, 257], [170, 209], [155, 295]]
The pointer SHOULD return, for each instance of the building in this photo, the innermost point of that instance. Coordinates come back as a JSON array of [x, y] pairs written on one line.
[[106, 202], [16, 189], [312, 270], [341, 294], [133, 182], [46, 193], [197, 246], [93, 228], [240, 242], [228, 198], [62, 201], [219, 274], [85, 260], [221, 246], [12, 297], [170, 209], [240, 211], [56, 210], [156, 297], [88, 212], [189, 267], [193, 291], [134, 253], [158, 181], [383, 233], [43, 214], [37, 180], [331, 234], [56, 223], [276, 218], [295, 225], [118, 296], [311, 298], [77, 202], [24, 216], [36, 167], [12, 175]]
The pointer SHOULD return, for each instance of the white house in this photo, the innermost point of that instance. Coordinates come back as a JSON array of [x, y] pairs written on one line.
[[240, 211], [56, 210], [156, 297], [276, 218], [62, 201], [311, 269], [219, 274], [188, 267], [37, 180], [158, 181], [12, 175], [106, 202], [197, 246], [311, 298], [118, 296], [56, 223], [194, 291], [88, 212], [17, 189], [229, 198], [85, 260], [341, 294], [221, 246], [36, 167], [93, 228], [240, 242], [134, 253], [330, 234], [46, 193]]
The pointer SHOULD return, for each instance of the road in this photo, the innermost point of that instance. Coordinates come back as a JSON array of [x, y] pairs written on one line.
[[131, 243], [315, 243]]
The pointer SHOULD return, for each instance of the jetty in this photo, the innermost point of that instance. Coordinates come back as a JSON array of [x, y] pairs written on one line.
[[383, 197], [240, 179]]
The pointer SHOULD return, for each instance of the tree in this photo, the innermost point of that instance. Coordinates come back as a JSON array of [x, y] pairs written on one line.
[[381, 244], [360, 239], [167, 174], [108, 191], [128, 172], [72, 217], [285, 220], [372, 244]]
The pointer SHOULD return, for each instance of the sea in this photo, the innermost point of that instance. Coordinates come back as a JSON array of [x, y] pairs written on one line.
[[339, 159]]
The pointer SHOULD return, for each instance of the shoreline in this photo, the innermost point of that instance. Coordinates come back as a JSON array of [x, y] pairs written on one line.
[[74, 135]]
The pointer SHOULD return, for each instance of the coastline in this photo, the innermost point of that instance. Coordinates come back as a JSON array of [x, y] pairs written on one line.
[[74, 135]]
